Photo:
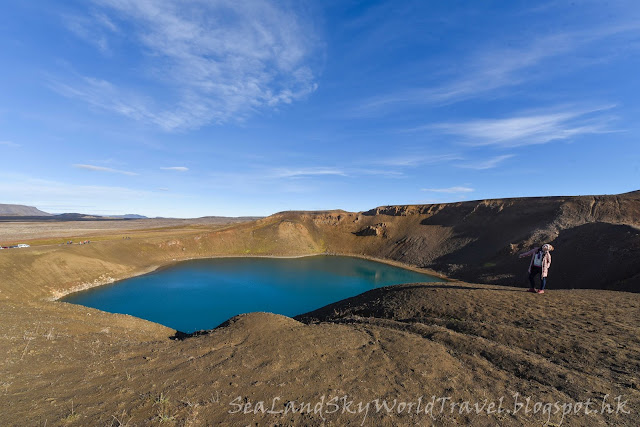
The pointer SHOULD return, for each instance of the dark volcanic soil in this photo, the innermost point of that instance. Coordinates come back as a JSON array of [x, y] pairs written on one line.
[[455, 341]]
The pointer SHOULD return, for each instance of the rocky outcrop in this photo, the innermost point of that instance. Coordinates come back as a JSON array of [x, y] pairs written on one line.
[[379, 229], [597, 239]]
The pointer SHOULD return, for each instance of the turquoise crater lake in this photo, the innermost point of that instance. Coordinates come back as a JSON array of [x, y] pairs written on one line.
[[201, 294]]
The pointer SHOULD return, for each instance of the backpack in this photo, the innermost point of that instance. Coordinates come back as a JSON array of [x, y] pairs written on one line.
[[537, 259]]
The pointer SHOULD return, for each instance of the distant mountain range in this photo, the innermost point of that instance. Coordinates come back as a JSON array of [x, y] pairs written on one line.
[[22, 213], [33, 212]]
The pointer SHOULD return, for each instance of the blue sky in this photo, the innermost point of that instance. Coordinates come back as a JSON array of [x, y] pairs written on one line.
[[192, 108]]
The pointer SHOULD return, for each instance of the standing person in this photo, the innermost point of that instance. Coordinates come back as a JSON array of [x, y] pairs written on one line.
[[539, 265]]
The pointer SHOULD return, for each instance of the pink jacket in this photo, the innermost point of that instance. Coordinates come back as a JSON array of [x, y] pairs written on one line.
[[546, 260]]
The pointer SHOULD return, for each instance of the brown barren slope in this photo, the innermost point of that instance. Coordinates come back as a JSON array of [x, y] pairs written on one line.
[[71, 365]]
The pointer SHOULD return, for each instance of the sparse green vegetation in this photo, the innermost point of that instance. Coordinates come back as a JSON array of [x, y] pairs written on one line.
[[162, 403], [72, 417]]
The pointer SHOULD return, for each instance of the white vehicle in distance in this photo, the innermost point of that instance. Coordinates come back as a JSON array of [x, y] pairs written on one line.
[[22, 245]]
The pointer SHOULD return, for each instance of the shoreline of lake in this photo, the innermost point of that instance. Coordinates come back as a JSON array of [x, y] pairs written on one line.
[[200, 293], [108, 280]]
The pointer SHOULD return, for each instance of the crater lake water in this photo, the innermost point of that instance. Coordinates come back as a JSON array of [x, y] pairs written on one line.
[[201, 294]]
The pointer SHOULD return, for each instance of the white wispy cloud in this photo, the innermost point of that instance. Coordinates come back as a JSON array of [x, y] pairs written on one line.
[[486, 71], [103, 169], [492, 68], [9, 144], [529, 129], [42, 192], [486, 164], [312, 171], [211, 61], [417, 160], [290, 178], [374, 171], [96, 29], [450, 190], [176, 168], [103, 94]]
